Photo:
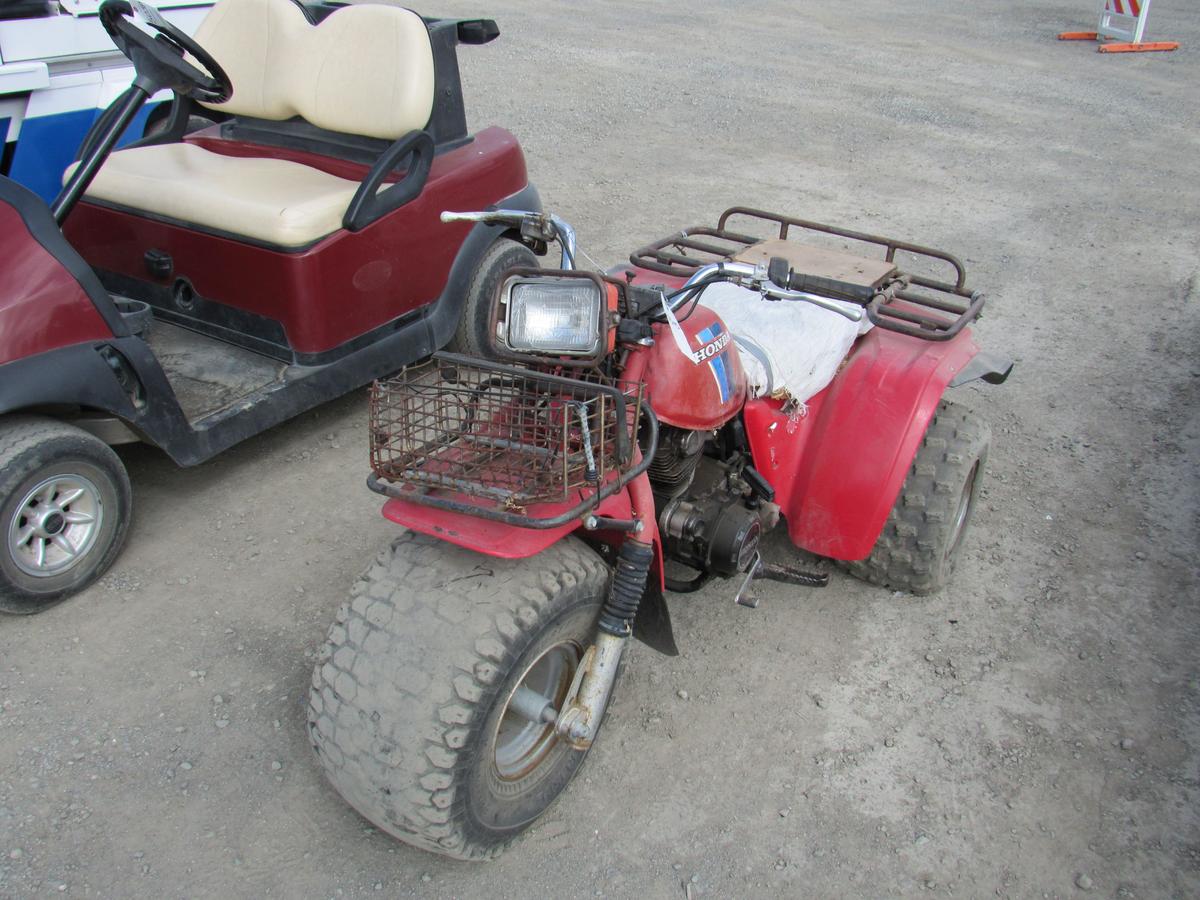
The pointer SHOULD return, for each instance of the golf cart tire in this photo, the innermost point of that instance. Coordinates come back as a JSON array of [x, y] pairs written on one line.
[[923, 537], [415, 676], [471, 337], [32, 450]]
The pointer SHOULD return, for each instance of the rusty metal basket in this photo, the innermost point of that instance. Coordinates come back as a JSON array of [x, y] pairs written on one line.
[[504, 436]]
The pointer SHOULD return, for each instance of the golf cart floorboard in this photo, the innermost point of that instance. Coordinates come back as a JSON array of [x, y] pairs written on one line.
[[208, 375]]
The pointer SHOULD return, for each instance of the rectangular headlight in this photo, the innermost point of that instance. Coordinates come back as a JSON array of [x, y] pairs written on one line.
[[553, 315]]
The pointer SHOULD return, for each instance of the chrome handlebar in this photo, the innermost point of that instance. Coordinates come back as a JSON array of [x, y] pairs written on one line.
[[548, 227], [755, 278], [541, 226]]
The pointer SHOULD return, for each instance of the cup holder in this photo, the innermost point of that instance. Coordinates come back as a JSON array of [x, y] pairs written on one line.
[[136, 314]]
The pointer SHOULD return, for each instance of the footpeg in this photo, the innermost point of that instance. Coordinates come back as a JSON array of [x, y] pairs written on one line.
[[772, 572], [792, 575]]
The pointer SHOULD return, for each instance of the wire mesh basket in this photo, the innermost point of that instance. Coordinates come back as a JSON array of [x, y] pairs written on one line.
[[507, 436]]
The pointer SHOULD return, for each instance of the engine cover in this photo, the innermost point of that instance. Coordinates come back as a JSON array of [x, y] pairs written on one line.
[[713, 534]]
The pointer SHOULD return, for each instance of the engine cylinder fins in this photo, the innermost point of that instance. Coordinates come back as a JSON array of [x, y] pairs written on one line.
[[674, 464]]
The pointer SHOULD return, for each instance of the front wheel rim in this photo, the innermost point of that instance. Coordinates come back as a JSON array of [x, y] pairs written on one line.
[[55, 525], [521, 745]]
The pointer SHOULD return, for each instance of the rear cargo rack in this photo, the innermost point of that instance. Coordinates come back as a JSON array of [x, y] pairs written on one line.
[[919, 305]]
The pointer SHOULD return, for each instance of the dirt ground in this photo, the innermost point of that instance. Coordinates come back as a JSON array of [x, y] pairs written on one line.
[[1032, 731]]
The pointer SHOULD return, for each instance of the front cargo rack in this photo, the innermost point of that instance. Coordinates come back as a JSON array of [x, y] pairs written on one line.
[[503, 442], [934, 305]]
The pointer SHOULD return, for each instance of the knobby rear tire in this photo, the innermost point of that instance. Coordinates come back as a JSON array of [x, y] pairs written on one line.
[[922, 540]]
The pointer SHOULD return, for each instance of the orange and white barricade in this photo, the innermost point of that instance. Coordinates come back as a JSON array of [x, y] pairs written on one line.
[[1122, 23]]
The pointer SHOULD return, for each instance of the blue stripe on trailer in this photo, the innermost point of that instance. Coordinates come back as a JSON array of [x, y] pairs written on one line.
[[47, 145]]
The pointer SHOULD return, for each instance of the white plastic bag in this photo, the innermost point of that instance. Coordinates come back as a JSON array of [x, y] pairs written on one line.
[[789, 349]]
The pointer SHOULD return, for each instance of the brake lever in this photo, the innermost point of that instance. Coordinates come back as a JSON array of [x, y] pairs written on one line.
[[777, 293]]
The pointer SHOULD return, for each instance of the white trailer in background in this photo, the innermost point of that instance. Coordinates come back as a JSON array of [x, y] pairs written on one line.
[[58, 72]]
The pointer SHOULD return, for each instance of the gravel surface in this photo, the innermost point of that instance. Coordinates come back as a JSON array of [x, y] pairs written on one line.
[[1032, 731]]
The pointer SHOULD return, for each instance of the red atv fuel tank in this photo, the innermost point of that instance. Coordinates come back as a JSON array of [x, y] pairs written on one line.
[[700, 392]]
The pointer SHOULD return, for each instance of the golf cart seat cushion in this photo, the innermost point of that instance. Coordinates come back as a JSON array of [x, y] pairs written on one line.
[[366, 69], [275, 201]]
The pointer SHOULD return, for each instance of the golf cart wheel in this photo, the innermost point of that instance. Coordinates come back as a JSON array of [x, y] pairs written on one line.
[[471, 337], [412, 712], [64, 511], [923, 537]]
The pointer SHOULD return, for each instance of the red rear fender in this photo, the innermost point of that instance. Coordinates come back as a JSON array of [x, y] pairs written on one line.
[[838, 470]]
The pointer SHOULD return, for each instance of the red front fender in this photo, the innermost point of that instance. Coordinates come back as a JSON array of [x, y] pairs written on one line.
[[838, 470], [510, 542]]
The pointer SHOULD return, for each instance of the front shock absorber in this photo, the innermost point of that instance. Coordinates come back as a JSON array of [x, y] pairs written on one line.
[[586, 701], [628, 585]]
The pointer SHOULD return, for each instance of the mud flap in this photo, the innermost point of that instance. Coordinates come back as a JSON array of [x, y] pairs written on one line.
[[991, 367], [653, 623]]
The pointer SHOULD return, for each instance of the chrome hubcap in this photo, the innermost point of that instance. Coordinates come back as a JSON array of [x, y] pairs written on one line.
[[523, 738], [55, 525]]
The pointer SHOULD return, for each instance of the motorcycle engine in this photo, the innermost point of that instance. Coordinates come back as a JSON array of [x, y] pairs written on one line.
[[712, 535], [704, 517]]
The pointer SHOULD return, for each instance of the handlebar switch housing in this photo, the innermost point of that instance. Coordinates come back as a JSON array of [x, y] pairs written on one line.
[[634, 331], [641, 299]]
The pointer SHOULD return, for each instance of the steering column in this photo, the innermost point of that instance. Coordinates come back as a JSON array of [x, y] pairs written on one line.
[[160, 62]]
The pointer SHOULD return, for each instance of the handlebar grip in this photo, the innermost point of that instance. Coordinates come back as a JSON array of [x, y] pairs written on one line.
[[781, 274]]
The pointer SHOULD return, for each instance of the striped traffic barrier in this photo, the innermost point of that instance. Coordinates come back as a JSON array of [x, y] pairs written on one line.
[[1122, 23]]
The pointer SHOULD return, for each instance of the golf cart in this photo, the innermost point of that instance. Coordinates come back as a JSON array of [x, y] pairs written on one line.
[[197, 288]]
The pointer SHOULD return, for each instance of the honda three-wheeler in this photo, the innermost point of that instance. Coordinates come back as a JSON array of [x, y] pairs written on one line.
[[621, 437], [198, 287]]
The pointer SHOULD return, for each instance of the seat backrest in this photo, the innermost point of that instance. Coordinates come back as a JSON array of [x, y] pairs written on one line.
[[366, 69]]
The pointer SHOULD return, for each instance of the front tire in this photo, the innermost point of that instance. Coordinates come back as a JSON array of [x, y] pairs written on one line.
[[923, 538], [411, 713], [64, 511]]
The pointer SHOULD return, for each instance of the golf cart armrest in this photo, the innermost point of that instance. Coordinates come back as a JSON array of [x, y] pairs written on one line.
[[176, 125], [477, 31], [173, 131], [369, 202], [466, 31]]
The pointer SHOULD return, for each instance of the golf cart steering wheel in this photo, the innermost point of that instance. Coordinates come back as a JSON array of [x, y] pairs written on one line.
[[159, 60]]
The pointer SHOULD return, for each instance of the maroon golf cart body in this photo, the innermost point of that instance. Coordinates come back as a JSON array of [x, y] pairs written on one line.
[[243, 264]]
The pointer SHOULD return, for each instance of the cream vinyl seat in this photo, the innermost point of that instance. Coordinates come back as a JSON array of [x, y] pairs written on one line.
[[365, 70]]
